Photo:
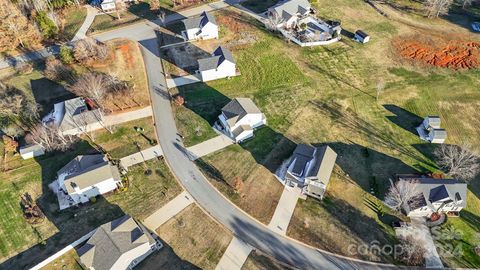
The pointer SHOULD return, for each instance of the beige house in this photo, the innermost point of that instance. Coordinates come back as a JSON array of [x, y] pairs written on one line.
[[310, 168], [118, 245]]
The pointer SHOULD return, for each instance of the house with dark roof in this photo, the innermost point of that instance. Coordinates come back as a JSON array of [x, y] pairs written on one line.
[[201, 27], [288, 12], [85, 177], [220, 65], [436, 196], [74, 116], [310, 168], [239, 118], [119, 244]]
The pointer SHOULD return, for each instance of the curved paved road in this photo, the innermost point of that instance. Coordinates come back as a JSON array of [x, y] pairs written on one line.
[[242, 225]]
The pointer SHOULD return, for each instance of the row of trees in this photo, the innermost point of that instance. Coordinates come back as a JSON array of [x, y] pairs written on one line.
[[25, 22]]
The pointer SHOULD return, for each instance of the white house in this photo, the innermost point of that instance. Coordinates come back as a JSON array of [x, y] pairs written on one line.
[[31, 151], [85, 177], [361, 36], [120, 244], [287, 13], [430, 130], [436, 196], [240, 117], [108, 6], [220, 65], [201, 27], [310, 168], [74, 116]]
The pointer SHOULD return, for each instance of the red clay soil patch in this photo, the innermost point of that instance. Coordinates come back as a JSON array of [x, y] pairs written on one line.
[[125, 50], [453, 54]]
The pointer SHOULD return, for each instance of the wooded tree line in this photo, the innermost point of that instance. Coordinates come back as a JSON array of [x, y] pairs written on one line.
[[24, 23]]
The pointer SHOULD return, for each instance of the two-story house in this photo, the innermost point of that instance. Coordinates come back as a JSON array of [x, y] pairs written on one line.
[[240, 117], [220, 65], [200, 28], [310, 168]]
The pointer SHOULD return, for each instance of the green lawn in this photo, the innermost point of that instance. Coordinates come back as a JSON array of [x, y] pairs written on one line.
[[124, 139], [74, 18]]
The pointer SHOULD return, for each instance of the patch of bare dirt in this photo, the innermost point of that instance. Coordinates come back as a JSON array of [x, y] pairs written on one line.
[[453, 54]]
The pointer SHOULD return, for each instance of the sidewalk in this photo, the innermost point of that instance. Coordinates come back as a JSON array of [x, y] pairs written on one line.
[[284, 211], [168, 211], [139, 157], [184, 80], [82, 32], [235, 256], [207, 147]]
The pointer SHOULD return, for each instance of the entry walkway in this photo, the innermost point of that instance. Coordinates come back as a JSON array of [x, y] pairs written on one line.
[[82, 32], [168, 211], [184, 80], [207, 147], [139, 157], [235, 256], [284, 211]]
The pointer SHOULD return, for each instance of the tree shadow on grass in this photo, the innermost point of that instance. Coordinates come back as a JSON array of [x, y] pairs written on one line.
[[165, 258], [71, 223], [47, 92], [369, 169], [403, 118]]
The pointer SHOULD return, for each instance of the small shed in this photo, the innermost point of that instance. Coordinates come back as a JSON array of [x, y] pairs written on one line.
[[361, 36], [431, 122], [437, 135], [31, 151]]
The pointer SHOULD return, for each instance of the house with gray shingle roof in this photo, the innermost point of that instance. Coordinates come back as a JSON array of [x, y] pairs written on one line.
[[310, 169], [288, 12], [119, 244], [74, 116], [430, 130], [201, 27], [436, 196], [85, 177], [239, 118], [220, 65]]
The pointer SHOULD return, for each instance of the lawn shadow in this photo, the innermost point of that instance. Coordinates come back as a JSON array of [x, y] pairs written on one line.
[[369, 169], [47, 92], [464, 17], [165, 258], [71, 223], [403, 118]]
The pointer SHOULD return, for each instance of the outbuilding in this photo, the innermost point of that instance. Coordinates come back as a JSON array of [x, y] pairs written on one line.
[[361, 36], [31, 151]]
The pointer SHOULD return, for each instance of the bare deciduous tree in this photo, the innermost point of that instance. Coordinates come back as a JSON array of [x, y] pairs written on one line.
[[92, 85], [55, 70], [380, 88], [50, 138], [460, 162], [412, 251], [89, 49], [15, 106], [435, 8], [402, 195], [466, 3]]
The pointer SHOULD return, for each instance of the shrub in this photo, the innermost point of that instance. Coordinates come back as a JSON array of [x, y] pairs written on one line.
[[24, 68], [66, 54], [46, 25]]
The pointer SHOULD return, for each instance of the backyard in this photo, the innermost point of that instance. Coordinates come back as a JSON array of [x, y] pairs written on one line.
[[362, 100]]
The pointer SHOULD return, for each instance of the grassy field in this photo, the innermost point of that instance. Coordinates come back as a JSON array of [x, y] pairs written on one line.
[[328, 95], [198, 240], [74, 18], [124, 139]]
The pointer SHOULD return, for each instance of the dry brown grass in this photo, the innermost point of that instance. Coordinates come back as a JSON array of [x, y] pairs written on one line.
[[128, 67], [68, 261], [195, 237], [258, 261]]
